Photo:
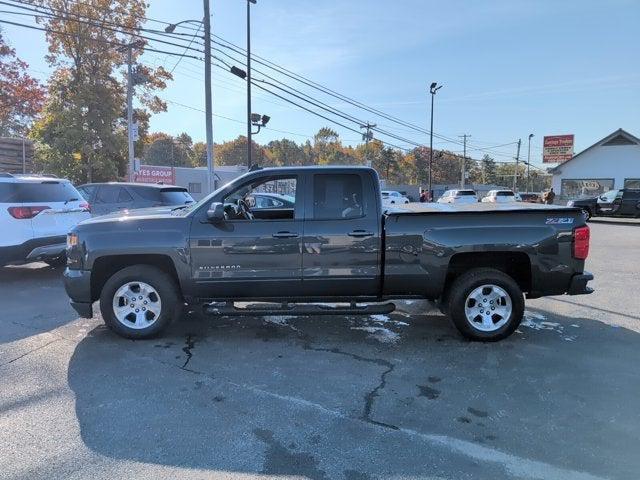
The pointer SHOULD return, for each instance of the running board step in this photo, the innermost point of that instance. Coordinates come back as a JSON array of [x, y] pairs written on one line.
[[229, 309]]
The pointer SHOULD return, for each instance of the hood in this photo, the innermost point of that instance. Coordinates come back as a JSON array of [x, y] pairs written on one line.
[[137, 214]]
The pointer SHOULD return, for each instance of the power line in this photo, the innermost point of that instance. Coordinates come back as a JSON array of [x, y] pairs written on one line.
[[236, 49]]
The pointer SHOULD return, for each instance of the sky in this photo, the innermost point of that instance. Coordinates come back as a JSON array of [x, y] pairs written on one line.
[[509, 68]]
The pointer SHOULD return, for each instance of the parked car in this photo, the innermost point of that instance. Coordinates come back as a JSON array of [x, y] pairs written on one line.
[[531, 197], [114, 196], [614, 203], [391, 197], [500, 196], [334, 245], [458, 196], [271, 201], [36, 212]]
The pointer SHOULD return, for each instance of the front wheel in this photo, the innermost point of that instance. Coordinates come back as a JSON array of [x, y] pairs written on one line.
[[485, 304], [140, 301], [587, 214]]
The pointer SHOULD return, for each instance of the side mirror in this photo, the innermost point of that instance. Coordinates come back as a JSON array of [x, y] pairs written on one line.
[[216, 212]]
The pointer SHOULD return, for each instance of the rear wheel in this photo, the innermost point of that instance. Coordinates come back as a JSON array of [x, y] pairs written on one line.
[[140, 301], [485, 304]]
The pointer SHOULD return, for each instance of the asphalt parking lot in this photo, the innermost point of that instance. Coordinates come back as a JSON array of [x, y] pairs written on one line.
[[399, 396]]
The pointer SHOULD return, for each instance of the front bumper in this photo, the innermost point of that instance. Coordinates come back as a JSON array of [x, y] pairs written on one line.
[[578, 285], [77, 283]]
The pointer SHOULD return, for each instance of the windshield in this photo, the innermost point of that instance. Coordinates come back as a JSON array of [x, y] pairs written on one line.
[[175, 197], [466, 192], [505, 194]]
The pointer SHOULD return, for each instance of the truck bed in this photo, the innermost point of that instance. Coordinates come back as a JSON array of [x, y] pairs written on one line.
[[424, 241]]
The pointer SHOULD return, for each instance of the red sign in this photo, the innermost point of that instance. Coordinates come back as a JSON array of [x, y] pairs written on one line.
[[153, 174], [557, 149]]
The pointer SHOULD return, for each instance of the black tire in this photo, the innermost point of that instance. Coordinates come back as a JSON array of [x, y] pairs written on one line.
[[57, 262], [166, 288], [587, 214], [465, 284]]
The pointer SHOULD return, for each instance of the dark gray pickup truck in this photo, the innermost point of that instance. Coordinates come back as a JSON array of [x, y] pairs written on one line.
[[330, 250]]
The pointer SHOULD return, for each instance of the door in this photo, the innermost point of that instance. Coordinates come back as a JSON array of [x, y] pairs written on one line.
[[251, 254], [629, 203], [341, 255], [605, 203]]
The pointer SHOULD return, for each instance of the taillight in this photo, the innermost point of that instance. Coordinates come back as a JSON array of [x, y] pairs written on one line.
[[581, 236], [24, 213]]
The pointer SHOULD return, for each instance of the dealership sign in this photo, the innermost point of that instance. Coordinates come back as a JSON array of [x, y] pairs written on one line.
[[557, 148], [153, 174]]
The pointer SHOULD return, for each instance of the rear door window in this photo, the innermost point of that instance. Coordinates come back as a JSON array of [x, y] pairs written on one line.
[[337, 197], [124, 196], [87, 191], [108, 194]]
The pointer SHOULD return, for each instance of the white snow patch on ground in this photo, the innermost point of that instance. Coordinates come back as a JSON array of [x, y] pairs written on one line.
[[536, 321], [385, 319], [281, 320], [381, 334]]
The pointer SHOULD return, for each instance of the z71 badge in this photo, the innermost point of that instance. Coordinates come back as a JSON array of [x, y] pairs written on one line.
[[559, 221]]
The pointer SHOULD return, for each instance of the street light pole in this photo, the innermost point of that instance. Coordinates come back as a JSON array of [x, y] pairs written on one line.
[[207, 95], [433, 89], [529, 161], [249, 163]]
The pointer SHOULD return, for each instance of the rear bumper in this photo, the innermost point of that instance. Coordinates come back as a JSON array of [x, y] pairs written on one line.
[[33, 250], [578, 285], [77, 283]]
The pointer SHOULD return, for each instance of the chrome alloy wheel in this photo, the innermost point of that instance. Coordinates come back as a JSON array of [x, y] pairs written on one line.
[[137, 305], [488, 308]]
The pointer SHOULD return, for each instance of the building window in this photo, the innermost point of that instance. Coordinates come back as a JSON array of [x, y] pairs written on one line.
[[585, 187], [633, 183], [195, 188]]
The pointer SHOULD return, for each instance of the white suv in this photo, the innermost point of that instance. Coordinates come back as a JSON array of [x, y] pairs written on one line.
[[391, 197], [35, 215], [458, 196]]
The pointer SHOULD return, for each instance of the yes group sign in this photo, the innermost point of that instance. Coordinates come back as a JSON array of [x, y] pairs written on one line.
[[155, 174]]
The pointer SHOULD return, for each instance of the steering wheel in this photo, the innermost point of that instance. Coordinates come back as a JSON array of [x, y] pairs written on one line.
[[244, 209]]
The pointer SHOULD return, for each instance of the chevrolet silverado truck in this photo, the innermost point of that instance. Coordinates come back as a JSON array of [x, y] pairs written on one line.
[[332, 250]]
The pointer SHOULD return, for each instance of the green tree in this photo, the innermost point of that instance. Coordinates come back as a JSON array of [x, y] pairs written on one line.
[[84, 116]]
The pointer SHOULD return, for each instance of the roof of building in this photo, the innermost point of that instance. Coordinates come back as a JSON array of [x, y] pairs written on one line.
[[619, 137]]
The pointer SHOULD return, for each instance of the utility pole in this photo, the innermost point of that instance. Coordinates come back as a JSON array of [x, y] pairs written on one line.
[[515, 172], [433, 89], [207, 95], [464, 159], [130, 110], [368, 135], [249, 163], [529, 161]]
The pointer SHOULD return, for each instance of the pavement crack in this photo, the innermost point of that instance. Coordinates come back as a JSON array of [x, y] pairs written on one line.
[[369, 397], [189, 345], [30, 352]]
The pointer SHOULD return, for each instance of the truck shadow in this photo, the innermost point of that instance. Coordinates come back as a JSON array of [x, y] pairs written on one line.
[[360, 397], [20, 287]]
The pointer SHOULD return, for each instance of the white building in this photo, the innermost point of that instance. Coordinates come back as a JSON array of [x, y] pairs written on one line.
[[611, 163]]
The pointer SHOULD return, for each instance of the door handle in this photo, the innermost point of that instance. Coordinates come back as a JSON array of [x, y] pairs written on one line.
[[285, 235], [360, 233]]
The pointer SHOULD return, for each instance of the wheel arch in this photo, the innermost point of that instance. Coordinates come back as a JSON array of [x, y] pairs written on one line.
[[515, 264], [104, 267]]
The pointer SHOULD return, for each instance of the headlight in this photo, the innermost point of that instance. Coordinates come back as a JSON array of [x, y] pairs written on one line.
[[72, 240], [570, 203]]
